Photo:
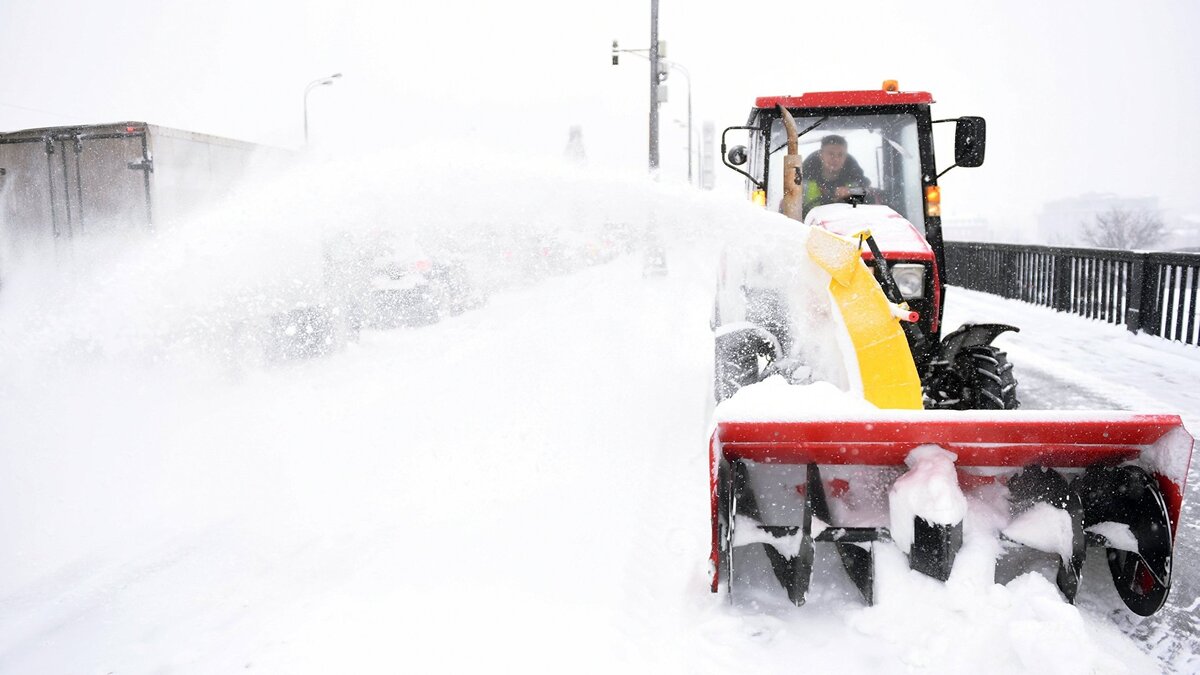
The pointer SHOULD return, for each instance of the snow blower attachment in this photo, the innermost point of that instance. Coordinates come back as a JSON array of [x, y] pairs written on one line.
[[1071, 480]]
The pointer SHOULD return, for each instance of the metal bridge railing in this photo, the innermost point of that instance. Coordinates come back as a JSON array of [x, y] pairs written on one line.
[[1154, 293]]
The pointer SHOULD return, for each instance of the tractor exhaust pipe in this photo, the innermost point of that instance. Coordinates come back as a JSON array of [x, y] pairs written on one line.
[[793, 198]]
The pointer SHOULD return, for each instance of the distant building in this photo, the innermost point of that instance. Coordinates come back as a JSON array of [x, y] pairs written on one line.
[[1062, 221], [1183, 233], [969, 228]]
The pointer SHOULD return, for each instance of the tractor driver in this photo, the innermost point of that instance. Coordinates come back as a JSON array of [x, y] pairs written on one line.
[[829, 173]]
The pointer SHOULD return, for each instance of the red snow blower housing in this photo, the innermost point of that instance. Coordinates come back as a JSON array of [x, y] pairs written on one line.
[[1117, 479]]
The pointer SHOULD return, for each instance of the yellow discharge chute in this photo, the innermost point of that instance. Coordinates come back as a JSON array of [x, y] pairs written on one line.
[[885, 362]]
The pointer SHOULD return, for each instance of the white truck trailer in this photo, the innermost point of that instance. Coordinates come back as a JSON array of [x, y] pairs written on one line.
[[61, 184]]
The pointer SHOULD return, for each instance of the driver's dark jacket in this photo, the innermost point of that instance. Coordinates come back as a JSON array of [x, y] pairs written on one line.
[[818, 191]]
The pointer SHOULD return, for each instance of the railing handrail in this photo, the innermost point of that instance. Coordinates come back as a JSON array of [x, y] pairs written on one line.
[[1170, 257], [1155, 292]]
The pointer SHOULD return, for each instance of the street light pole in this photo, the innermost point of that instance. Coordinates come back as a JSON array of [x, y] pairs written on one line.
[[688, 77], [319, 82]]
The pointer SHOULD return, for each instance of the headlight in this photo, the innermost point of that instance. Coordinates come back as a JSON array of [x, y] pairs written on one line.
[[910, 279]]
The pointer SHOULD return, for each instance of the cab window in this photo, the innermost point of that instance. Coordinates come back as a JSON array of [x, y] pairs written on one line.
[[884, 146]]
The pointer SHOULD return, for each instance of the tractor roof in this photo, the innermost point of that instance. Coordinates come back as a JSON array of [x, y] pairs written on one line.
[[842, 99]]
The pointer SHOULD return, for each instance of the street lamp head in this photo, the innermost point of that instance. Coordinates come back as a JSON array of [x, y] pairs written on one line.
[[312, 85], [321, 82]]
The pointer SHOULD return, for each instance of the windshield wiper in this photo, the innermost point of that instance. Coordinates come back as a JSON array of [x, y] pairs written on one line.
[[807, 129]]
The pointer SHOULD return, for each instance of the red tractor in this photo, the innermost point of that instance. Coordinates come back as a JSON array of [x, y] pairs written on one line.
[[885, 138], [793, 464]]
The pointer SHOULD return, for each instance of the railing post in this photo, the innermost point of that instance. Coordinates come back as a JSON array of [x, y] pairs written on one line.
[[1062, 282], [951, 258], [1142, 312], [1010, 285]]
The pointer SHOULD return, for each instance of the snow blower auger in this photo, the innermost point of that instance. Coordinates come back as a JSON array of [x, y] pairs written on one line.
[[795, 463], [1079, 479]]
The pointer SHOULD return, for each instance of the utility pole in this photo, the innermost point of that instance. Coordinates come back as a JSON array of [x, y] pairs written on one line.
[[654, 82], [672, 65], [656, 54]]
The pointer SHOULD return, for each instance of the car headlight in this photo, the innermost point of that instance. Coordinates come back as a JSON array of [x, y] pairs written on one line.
[[910, 279]]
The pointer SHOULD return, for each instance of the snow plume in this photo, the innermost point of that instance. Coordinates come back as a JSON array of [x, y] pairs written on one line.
[[305, 237], [767, 276], [130, 408]]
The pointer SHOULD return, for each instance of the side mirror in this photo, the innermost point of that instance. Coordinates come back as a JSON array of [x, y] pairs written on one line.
[[737, 155], [970, 137]]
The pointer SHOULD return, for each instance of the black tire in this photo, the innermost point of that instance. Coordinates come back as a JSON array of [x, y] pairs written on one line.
[[735, 365], [769, 309], [981, 378], [725, 526], [989, 379]]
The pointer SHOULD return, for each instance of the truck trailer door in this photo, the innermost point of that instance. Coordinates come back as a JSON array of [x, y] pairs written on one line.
[[26, 213], [106, 176], [67, 183]]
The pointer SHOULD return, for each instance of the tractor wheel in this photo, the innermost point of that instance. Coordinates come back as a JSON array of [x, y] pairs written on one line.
[[980, 378], [989, 380], [725, 523], [732, 371], [735, 364]]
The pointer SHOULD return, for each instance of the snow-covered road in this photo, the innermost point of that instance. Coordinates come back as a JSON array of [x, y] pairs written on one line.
[[524, 486]]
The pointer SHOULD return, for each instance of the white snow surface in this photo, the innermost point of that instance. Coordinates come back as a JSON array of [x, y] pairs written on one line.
[[524, 486]]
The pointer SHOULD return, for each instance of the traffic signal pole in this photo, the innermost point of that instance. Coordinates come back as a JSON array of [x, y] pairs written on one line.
[[654, 82]]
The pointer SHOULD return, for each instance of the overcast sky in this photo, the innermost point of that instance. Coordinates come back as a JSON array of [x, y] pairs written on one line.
[[1079, 96]]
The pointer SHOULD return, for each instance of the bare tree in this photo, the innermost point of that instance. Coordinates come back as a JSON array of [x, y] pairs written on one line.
[[1124, 229]]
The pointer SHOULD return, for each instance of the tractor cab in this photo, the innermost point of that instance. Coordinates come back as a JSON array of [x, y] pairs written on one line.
[[886, 139]]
